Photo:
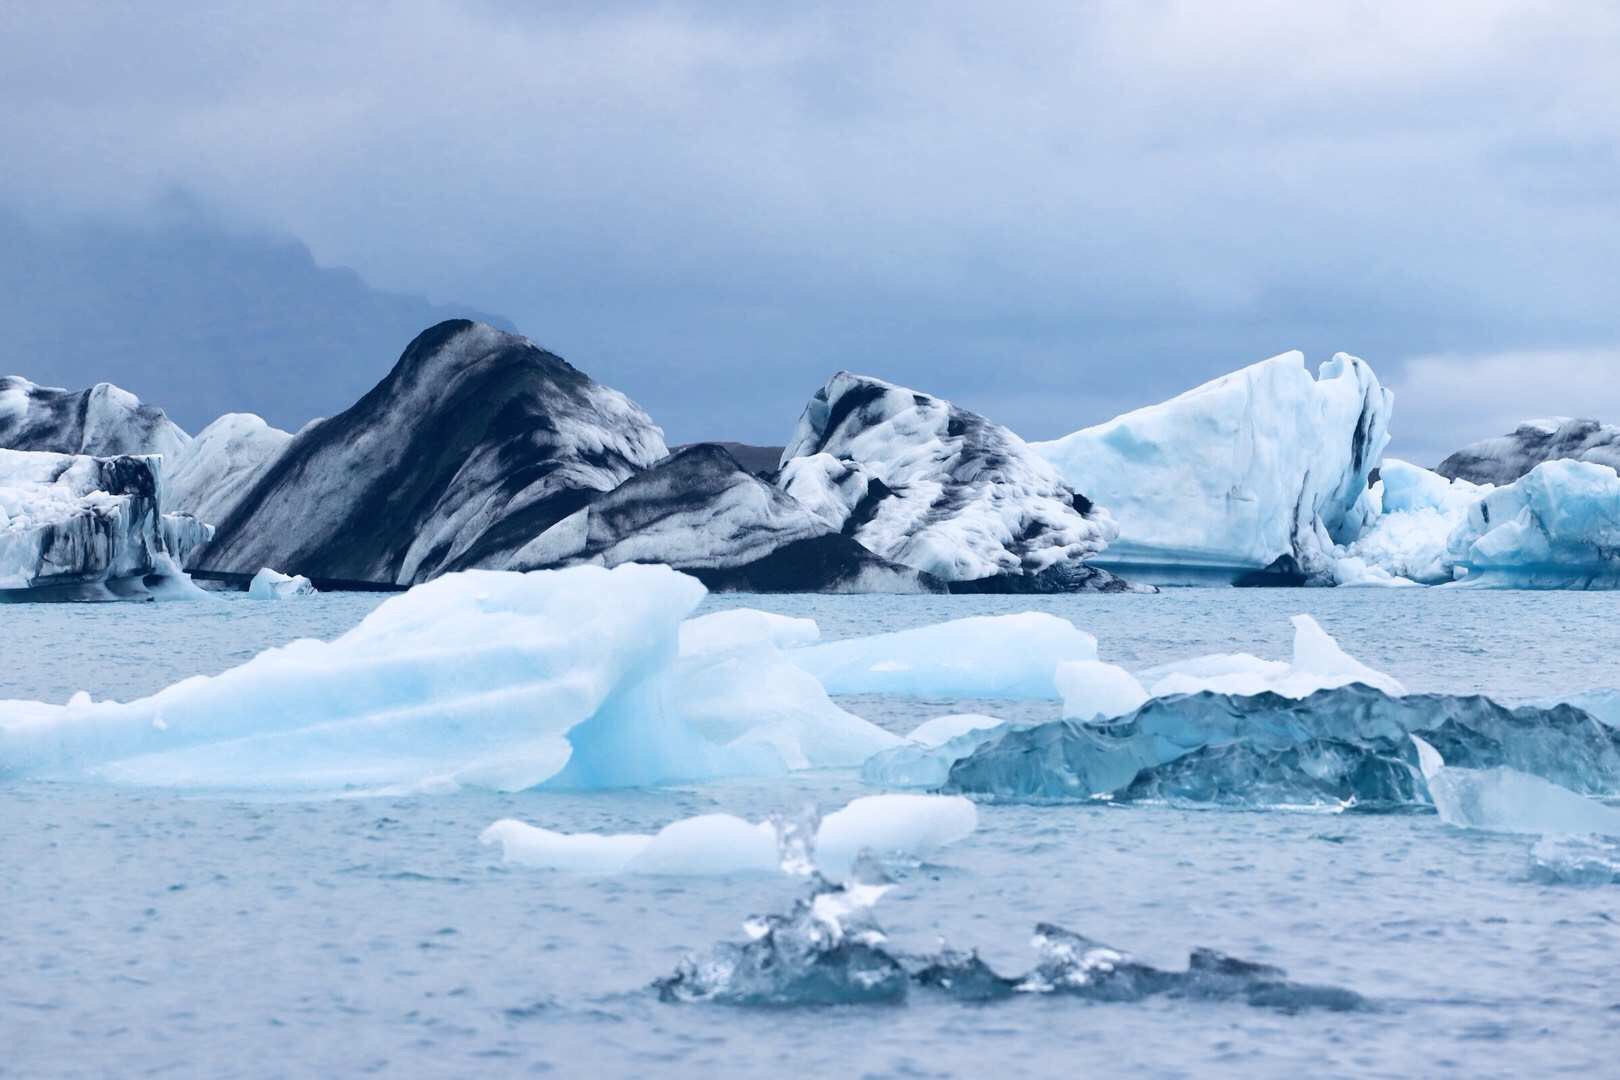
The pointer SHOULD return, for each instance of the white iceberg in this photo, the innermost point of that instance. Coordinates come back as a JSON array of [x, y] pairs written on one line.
[[1506, 800], [213, 471], [486, 679], [1318, 663], [1556, 528], [985, 656], [942, 729], [912, 826], [270, 584], [1094, 690], [1265, 468]]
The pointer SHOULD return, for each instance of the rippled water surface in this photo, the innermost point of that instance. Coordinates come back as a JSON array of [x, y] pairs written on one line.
[[153, 933]]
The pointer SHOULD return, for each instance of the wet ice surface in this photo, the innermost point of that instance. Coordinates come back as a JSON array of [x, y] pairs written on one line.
[[145, 931]]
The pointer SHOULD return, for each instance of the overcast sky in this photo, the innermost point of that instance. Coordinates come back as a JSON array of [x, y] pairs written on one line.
[[1048, 212]]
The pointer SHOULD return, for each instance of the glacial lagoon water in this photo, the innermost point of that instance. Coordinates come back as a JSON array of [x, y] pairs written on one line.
[[158, 933]]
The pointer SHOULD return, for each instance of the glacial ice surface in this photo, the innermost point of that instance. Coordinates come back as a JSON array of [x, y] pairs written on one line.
[[1557, 527], [909, 826], [485, 679], [213, 471], [1339, 746], [1264, 468], [830, 950], [1507, 800], [984, 656]]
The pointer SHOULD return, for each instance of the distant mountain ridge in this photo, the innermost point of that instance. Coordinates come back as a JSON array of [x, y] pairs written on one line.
[[203, 319]]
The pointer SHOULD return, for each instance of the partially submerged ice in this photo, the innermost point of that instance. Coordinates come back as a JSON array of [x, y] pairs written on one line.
[[1254, 476], [983, 656], [1562, 859], [1348, 745], [573, 678], [830, 950], [909, 826], [270, 584], [1506, 800], [74, 527]]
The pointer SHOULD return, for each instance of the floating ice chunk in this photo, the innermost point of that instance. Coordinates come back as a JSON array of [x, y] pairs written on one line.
[[737, 628], [1505, 800], [1318, 664], [1603, 704], [830, 950], [270, 584], [1337, 746], [1092, 689], [911, 826], [915, 765], [1575, 860], [942, 729], [484, 678], [986, 656]]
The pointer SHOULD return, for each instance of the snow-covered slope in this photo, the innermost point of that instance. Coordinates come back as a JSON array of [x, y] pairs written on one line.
[[932, 486], [77, 527], [207, 477], [104, 421], [1263, 468], [476, 443], [1504, 459], [700, 512]]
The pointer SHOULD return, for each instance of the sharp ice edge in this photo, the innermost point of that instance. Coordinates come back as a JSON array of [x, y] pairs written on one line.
[[1506, 800], [830, 950], [580, 678], [1262, 468], [909, 826]]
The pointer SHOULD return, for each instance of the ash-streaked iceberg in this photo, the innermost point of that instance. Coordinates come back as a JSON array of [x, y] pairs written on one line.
[[932, 486], [982, 656], [474, 444], [75, 527], [499, 680], [909, 826], [103, 421], [1501, 461], [702, 513], [1255, 476]]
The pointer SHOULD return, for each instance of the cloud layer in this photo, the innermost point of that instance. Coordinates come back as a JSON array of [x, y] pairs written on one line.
[[1050, 214]]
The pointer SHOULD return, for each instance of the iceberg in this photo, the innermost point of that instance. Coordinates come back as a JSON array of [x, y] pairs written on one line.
[[702, 513], [1503, 460], [929, 485], [943, 729], [830, 950], [1093, 690], [207, 476], [474, 444], [1506, 800], [103, 421], [909, 826], [924, 763], [983, 656], [74, 527], [1409, 537], [270, 584], [1335, 747], [571, 678], [1253, 478], [1558, 527]]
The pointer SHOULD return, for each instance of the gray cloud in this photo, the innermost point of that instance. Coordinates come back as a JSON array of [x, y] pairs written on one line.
[[1049, 214]]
